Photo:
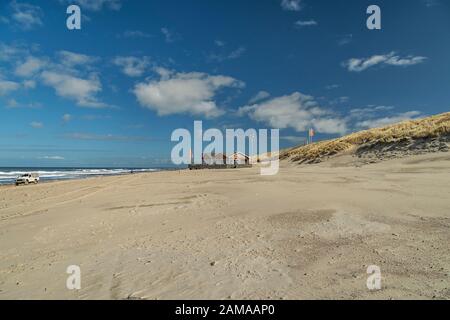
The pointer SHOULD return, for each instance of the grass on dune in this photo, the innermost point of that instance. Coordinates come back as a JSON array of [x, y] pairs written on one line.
[[430, 127]]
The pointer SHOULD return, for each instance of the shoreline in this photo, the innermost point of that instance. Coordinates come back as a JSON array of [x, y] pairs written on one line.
[[90, 176]]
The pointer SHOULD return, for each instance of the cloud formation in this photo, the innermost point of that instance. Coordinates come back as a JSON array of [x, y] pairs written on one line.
[[72, 75], [345, 39], [169, 35], [134, 34], [305, 23], [36, 125], [384, 121], [11, 52], [95, 5], [51, 158], [297, 111], [81, 90], [29, 84], [294, 139], [105, 137], [291, 5], [132, 66], [219, 43], [8, 86], [261, 95], [332, 86], [391, 59], [29, 67], [235, 54], [368, 112], [25, 15], [184, 93], [73, 59], [67, 117]]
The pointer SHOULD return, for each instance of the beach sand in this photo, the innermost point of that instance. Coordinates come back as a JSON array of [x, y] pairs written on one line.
[[309, 232]]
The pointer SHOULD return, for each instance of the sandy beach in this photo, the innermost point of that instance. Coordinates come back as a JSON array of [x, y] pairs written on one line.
[[309, 232]]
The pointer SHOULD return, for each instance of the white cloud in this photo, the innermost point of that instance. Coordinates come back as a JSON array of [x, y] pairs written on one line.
[[346, 39], [52, 158], [134, 34], [404, 62], [83, 91], [291, 5], [25, 15], [72, 59], [9, 53], [72, 75], [220, 43], [368, 112], [374, 116], [259, 96], [163, 73], [358, 65], [294, 139], [306, 23], [297, 111], [132, 66], [13, 104], [340, 100], [330, 125], [332, 86], [29, 84], [169, 35], [105, 137], [184, 93], [67, 117], [95, 5], [235, 54], [8, 86], [381, 122], [29, 67], [37, 125]]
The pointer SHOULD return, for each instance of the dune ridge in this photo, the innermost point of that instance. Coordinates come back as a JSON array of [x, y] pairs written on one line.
[[431, 134]]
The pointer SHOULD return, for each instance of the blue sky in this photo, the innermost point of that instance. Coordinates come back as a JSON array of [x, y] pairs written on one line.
[[111, 93]]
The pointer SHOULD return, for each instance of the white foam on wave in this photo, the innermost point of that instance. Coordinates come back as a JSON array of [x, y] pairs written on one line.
[[10, 176]]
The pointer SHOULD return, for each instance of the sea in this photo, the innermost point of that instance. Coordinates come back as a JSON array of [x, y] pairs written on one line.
[[9, 174]]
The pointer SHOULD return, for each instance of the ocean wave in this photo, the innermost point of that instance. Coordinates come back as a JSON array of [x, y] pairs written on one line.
[[7, 176]]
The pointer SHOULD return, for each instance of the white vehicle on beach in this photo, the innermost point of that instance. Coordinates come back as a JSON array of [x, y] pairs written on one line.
[[27, 178]]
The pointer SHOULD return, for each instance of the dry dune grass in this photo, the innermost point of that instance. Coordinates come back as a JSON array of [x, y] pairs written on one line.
[[430, 127]]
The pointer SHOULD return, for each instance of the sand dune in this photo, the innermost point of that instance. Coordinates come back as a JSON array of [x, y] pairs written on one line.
[[308, 232], [414, 137]]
